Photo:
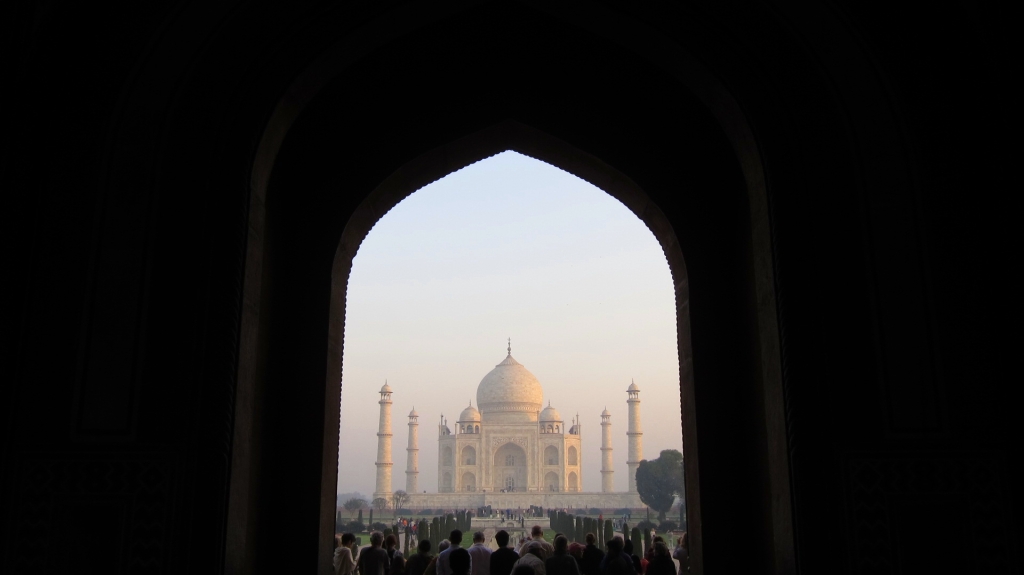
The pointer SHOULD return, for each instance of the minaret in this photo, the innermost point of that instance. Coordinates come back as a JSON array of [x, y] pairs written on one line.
[[412, 463], [635, 434], [384, 445], [607, 471]]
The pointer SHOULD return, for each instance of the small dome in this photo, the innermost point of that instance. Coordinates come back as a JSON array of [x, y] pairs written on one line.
[[386, 388], [550, 414], [606, 413], [413, 413], [469, 414], [633, 387]]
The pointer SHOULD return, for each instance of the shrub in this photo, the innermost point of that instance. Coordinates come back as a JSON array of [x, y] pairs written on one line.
[[405, 512], [426, 512], [355, 527], [594, 511], [378, 526], [622, 511], [645, 525], [667, 526]]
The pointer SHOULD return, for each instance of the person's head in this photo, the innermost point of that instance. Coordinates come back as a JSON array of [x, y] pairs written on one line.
[[627, 547], [459, 562], [444, 544], [590, 538], [576, 550], [561, 544], [348, 539], [424, 546], [478, 537], [614, 545], [658, 539], [661, 549], [376, 538], [501, 537], [390, 541], [537, 532], [523, 570], [536, 549], [455, 537]]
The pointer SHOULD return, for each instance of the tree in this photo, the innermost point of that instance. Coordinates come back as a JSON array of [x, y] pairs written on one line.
[[380, 504], [354, 504], [660, 481], [399, 499]]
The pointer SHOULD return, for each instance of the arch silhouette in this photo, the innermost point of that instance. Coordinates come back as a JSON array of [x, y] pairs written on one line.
[[537, 144]]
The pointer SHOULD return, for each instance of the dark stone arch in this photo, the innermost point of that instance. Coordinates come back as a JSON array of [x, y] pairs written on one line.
[[725, 144], [869, 145]]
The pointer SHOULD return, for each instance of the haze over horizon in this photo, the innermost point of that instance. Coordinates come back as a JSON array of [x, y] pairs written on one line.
[[507, 247]]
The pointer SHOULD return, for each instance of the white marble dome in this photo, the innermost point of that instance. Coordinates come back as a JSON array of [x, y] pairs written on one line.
[[509, 387], [469, 414], [550, 414]]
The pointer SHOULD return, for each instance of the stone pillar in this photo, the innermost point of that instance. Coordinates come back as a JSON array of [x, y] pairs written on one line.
[[635, 434], [412, 463], [384, 445], [607, 471]]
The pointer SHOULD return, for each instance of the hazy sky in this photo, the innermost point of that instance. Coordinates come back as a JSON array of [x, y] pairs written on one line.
[[507, 247]]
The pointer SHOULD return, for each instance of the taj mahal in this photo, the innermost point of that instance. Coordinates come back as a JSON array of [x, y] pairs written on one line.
[[510, 450]]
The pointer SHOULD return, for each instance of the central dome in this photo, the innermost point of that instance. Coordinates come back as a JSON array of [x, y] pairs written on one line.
[[509, 387]]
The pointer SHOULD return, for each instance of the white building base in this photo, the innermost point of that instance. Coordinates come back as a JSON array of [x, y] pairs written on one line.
[[523, 500]]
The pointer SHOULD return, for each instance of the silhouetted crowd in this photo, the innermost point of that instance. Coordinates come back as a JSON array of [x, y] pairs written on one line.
[[533, 556]]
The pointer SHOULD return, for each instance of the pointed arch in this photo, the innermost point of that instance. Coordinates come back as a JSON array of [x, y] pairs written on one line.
[[551, 455], [635, 37]]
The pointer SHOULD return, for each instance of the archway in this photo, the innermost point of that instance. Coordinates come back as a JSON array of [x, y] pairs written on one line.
[[572, 457], [468, 481], [469, 455], [452, 153], [574, 482], [551, 455], [551, 482], [510, 468]]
